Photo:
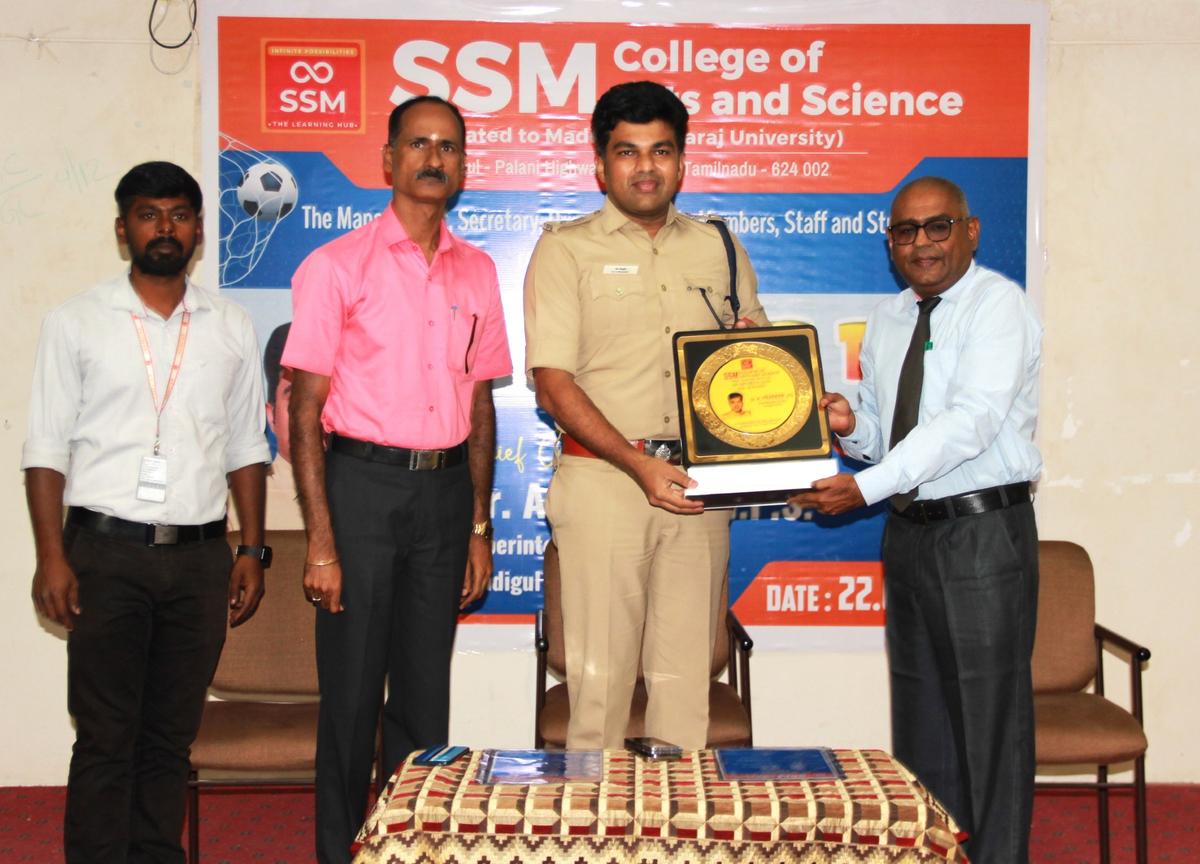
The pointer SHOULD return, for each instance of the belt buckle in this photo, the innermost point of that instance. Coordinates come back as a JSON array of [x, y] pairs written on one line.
[[425, 460], [663, 451], [164, 535]]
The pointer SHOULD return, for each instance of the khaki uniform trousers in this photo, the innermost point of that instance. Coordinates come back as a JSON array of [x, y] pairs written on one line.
[[637, 583]]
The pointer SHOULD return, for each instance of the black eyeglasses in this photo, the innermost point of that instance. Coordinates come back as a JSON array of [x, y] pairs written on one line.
[[936, 230]]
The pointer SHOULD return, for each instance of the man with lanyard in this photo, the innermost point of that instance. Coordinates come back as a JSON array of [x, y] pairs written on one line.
[[396, 336], [147, 409], [946, 410], [642, 566]]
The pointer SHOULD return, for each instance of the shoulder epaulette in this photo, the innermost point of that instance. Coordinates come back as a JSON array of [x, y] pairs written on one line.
[[703, 218], [554, 227]]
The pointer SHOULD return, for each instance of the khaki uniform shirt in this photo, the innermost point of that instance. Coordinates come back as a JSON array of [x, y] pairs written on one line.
[[603, 300]]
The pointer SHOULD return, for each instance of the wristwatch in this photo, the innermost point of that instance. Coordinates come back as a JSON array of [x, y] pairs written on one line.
[[482, 529], [262, 553]]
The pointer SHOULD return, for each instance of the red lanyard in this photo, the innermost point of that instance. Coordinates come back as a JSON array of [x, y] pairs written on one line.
[[148, 359]]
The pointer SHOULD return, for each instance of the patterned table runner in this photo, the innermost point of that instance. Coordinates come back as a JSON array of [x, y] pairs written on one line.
[[661, 811]]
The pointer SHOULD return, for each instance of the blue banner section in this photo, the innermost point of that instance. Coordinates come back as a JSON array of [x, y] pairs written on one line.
[[524, 459], [827, 244], [762, 535]]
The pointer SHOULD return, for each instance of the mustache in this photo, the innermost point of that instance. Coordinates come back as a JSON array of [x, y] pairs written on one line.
[[169, 242], [432, 174]]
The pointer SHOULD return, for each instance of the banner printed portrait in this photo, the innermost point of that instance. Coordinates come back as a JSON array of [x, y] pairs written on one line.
[[800, 134]]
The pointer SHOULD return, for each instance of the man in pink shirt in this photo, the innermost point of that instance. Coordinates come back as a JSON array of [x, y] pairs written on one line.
[[397, 333]]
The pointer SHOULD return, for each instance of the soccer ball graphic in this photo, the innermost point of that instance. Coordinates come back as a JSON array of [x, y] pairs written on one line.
[[268, 191]]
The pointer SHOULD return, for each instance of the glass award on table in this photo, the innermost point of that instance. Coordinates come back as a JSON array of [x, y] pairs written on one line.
[[748, 416], [777, 763], [534, 767]]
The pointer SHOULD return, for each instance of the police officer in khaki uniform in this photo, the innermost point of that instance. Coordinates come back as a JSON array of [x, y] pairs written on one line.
[[642, 566]]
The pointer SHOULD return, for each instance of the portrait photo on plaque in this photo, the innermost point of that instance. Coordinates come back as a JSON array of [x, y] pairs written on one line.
[[749, 418]]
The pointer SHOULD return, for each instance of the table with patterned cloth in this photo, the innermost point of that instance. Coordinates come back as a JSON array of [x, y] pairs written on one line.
[[663, 812]]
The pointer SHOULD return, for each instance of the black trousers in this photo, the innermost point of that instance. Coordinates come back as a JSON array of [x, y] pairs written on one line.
[[961, 615], [402, 539], [139, 663]]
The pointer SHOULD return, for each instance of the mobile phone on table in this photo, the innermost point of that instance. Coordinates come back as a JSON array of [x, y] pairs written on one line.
[[653, 748], [440, 755]]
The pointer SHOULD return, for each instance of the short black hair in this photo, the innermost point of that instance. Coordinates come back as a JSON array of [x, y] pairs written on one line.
[[398, 114], [638, 102], [736, 395], [157, 180], [272, 356]]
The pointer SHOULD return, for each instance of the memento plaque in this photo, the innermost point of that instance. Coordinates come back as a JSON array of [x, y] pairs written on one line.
[[748, 401]]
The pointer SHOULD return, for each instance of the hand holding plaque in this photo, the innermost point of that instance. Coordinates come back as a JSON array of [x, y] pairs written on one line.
[[752, 432]]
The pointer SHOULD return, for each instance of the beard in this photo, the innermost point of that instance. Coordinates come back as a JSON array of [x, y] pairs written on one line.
[[162, 257]]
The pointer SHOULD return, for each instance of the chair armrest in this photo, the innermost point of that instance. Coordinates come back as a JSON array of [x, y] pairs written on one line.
[[542, 646], [540, 643], [1140, 652], [738, 632], [740, 645]]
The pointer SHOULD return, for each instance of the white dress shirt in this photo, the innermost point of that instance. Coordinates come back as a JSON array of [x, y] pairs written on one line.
[[92, 418], [979, 397]]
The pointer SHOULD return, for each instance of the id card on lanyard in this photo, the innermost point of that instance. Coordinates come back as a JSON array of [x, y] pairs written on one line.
[[152, 472]]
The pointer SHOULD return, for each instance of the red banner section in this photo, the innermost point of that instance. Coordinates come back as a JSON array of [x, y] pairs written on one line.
[[815, 594], [776, 109], [298, 91]]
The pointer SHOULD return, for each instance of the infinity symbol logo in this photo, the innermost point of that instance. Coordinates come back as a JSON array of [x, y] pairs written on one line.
[[302, 72]]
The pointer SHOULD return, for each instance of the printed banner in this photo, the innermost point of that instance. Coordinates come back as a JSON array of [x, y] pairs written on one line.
[[800, 135]]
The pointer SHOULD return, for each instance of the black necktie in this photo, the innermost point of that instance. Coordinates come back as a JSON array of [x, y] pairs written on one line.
[[908, 390]]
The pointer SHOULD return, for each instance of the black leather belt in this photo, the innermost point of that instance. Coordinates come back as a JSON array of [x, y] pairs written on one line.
[[143, 532], [413, 460], [968, 504]]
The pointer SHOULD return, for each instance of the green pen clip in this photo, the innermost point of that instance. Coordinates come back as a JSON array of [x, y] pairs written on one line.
[[928, 344]]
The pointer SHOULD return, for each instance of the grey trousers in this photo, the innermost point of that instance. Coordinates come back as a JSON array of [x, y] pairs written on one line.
[[961, 615]]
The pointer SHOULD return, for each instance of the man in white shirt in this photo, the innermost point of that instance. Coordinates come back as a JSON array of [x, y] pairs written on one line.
[[946, 412], [147, 409]]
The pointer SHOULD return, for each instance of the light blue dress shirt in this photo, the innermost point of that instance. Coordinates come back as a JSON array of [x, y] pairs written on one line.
[[979, 398]]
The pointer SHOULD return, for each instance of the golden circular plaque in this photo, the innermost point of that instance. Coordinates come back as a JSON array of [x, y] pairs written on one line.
[[752, 395]]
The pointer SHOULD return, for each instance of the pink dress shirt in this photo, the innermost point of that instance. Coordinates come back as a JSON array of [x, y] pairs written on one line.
[[402, 340]]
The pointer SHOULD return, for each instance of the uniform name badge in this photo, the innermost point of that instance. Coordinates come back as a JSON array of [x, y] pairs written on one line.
[[152, 479], [752, 432]]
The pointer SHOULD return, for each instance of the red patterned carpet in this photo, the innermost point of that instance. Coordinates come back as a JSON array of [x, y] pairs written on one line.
[[277, 828]]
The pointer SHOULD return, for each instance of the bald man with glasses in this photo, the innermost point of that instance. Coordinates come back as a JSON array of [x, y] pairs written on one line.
[[946, 413]]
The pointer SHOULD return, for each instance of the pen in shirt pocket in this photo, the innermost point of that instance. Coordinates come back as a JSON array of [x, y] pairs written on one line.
[[470, 342]]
